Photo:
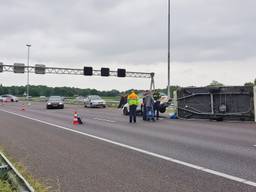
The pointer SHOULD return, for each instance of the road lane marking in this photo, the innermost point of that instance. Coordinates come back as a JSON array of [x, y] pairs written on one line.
[[203, 169], [254, 145], [99, 119]]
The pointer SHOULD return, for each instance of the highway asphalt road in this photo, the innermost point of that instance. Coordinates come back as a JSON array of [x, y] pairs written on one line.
[[134, 157]]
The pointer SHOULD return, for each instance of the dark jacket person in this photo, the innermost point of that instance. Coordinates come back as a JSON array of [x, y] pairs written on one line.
[[156, 96]]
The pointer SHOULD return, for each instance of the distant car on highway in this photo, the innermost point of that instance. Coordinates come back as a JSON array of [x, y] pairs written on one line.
[[80, 99], [94, 101], [43, 98], [11, 98], [55, 102], [3, 99]]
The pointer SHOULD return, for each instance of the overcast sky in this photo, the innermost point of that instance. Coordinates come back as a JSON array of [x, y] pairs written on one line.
[[210, 40]]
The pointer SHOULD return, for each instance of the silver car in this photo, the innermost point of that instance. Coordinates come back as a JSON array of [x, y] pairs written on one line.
[[3, 99], [94, 101], [11, 98]]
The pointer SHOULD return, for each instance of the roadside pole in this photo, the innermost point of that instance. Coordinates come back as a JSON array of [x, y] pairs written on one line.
[[175, 101], [254, 100], [169, 47], [28, 45]]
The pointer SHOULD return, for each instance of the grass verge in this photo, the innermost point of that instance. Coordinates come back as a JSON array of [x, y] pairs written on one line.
[[6, 187]]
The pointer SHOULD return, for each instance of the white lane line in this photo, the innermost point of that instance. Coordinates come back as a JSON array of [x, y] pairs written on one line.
[[99, 119], [203, 169], [254, 145]]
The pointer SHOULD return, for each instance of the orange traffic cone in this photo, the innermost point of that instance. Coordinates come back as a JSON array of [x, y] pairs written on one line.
[[23, 107], [75, 119]]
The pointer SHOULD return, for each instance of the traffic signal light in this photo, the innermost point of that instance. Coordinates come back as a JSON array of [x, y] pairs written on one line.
[[104, 72], [88, 71], [19, 68], [121, 72], [39, 69]]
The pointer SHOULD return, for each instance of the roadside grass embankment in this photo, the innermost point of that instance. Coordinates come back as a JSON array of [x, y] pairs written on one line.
[[6, 184]]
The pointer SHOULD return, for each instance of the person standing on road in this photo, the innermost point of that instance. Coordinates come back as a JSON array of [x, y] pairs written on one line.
[[123, 101], [144, 111], [156, 97], [133, 101], [148, 106]]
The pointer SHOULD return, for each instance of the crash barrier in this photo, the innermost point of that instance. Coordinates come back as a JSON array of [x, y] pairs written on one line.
[[10, 174], [217, 103]]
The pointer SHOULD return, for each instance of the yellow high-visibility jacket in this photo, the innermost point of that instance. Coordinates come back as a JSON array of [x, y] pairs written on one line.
[[133, 99]]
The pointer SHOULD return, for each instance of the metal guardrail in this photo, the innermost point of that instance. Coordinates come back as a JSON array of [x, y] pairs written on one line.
[[8, 171]]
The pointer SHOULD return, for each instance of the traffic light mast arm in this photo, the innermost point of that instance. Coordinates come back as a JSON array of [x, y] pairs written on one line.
[[73, 71]]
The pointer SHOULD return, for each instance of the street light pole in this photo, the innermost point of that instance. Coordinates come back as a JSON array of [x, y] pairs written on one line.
[[28, 45], [169, 39]]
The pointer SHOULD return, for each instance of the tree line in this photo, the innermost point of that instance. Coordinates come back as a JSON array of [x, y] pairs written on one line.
[[250, 83], [215, 83], [40, 90]]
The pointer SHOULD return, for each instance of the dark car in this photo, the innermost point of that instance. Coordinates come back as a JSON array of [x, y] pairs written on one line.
[[55, 102]]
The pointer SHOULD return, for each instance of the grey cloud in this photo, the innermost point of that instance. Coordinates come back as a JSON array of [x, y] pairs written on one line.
[[98, 29], [129, 32], [214, 30], [201, 30]]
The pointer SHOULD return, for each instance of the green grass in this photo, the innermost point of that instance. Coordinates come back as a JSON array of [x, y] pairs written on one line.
[[38, 187], [6, 187]]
